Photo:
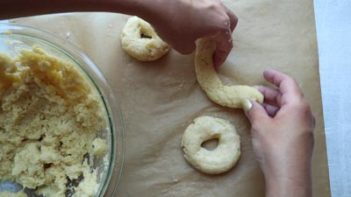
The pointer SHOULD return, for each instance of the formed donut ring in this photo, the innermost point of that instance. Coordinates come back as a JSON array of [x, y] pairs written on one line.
[[216, 161], [140, 40], [228, 96]]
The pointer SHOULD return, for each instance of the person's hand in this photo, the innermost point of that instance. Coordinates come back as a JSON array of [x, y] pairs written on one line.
[[181, 22], [282, 136]]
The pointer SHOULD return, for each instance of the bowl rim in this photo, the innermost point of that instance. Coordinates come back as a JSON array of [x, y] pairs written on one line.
[[95, 75]]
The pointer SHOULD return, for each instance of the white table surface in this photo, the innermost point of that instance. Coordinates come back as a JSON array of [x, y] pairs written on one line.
[[333, 18]]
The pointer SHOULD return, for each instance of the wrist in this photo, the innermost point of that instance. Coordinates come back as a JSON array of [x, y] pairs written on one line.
[[289, 181], [155, 11], [130, 7]]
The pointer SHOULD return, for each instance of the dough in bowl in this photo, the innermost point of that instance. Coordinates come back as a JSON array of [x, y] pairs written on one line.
[[50, 120]]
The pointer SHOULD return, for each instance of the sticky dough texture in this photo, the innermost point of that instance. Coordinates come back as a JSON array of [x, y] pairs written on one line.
[[216, 161], [143, 49], [50, 117], [228, 96]]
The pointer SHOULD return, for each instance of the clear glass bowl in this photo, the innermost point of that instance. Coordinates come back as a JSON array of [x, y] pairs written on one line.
[[15, 38]]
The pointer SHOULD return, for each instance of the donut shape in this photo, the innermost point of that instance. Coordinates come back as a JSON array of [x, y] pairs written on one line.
[[140, 40], [218, 160], [227, 96]]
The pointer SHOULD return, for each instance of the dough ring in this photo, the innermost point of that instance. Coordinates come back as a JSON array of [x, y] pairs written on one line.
[[216, 161], [228, 96], [140, 40]]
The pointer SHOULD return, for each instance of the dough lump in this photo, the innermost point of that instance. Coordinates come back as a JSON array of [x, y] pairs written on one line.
[[227, 96], [140, 40], [216, 161], [50, 116], [10, 194]]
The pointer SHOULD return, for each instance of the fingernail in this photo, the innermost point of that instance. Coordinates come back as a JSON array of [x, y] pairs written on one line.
[[247, 105]]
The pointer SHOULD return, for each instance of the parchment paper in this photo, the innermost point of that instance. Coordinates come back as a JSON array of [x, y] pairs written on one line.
[[160, 99]]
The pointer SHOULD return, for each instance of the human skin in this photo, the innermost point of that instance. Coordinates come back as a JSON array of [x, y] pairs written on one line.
[[179, 22], [282, 128], [282, 137]]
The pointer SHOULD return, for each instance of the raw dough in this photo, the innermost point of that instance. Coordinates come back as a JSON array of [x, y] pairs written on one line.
[[140, 40], [228, 96], [10, 194], [216, 161], [50, 116]]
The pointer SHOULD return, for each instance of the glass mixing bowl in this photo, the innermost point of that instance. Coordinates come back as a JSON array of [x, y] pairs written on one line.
[[15, 38]]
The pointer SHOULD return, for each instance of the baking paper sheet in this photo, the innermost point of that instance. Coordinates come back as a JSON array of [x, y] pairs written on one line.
[[160, 99]]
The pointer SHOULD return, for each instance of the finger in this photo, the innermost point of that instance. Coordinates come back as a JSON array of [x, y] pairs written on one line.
[[270, 109], [185, 49], [271, 96], [287, 85], [224, 44], [233, 19], [256, 113]]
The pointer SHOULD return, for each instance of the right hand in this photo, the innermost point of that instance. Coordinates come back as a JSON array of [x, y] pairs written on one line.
[[282, 136], [181, 22]]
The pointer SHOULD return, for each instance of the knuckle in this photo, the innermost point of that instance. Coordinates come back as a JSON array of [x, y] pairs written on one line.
[[214, 6], [276, 79], [305, 113], [301, 106]]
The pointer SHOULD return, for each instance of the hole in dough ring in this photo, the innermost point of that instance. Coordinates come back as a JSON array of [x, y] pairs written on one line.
[[227, 96], [218, 160], [140, 40]]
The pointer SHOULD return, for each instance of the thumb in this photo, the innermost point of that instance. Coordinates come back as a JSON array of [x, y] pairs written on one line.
[[254, 111]]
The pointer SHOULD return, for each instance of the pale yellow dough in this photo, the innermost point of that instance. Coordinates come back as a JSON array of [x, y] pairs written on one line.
[[204, 128], [228, 96], [10, 194], [49, 120], [216, 161], [140, 40]]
